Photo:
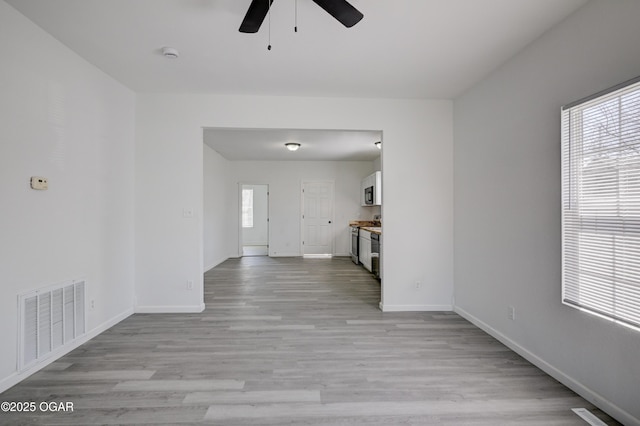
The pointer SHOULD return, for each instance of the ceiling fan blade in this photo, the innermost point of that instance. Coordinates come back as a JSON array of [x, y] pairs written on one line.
[[342, 11], [256, 13]]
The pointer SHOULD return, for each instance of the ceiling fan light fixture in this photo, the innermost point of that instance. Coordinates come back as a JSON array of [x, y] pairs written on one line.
[[292, 146], [341, 10], [378, 144]]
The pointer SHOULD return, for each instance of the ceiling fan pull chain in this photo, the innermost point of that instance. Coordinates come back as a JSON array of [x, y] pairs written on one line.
[[295, 29], [269, 3]]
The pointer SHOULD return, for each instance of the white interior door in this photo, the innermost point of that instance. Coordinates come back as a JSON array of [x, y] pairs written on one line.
[[317, 218]]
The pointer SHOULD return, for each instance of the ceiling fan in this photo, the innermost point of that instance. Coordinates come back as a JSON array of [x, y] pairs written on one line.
[[344, 12]]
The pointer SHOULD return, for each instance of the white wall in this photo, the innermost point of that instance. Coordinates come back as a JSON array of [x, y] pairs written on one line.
[[216, 213], [284, 179], [258, 234], [221, 203], [417, 181], [507, 203], [377, 164], [63, 119]]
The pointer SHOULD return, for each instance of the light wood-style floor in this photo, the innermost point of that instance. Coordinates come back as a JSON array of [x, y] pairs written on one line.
[[292, 341]]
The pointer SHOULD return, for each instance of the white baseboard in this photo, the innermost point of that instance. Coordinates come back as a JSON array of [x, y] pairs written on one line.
[[414, 308], [595, 398], [300, 255], [17, 377], [214, 264], [178, 309]]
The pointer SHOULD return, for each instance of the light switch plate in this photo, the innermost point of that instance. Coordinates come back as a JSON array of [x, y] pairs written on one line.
[[38, 182]]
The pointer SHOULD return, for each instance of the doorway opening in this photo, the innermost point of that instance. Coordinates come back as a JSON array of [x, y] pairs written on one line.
[[254, 219], [250, 156]]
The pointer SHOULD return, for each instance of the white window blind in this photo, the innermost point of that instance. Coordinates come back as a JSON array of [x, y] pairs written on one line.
[[601, 204]]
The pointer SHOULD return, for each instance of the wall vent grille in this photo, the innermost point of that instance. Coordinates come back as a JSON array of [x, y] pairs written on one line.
[[49, 319]]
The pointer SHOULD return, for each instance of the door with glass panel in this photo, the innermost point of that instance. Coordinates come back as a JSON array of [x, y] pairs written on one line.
[[254, 220]]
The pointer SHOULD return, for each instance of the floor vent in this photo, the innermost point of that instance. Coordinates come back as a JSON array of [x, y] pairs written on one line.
[[50, 319]]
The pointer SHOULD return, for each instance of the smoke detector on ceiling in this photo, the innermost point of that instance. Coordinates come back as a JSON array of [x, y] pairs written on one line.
[[170, 52]]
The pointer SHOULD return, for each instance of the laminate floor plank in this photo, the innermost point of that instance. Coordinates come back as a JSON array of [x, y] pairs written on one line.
[[177, 385], [255, 397], [293, 341]]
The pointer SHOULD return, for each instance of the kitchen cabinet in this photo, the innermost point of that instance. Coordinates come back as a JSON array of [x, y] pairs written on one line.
[[364, 250], [377, 186], [373, 180]]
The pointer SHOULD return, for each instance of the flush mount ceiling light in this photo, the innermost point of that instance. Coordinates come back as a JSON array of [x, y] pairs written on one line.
[[292, 146], [378, 144], [170, 52]]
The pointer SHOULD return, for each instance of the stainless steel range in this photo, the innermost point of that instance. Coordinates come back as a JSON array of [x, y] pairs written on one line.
[[355, 237]]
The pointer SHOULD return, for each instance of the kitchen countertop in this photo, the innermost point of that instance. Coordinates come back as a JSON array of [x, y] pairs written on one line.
[[369, 223], [373, 229]]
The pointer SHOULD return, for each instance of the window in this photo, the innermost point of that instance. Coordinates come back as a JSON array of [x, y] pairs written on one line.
[[601, 204], [247, 208]]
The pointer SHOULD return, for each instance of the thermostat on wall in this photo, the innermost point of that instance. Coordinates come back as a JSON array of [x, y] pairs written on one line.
[[38, 182]]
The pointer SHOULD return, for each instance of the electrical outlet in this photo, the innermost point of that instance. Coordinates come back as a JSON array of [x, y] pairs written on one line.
[[511, 313], [189, 285], [418, 285], [93, 304], [187, 212]]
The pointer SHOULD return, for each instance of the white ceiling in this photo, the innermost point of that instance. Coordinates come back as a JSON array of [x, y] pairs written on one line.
[[401, 49], [316, 145]]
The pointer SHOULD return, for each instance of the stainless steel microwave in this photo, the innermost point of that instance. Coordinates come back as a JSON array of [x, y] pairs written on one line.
[[369, 195]]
